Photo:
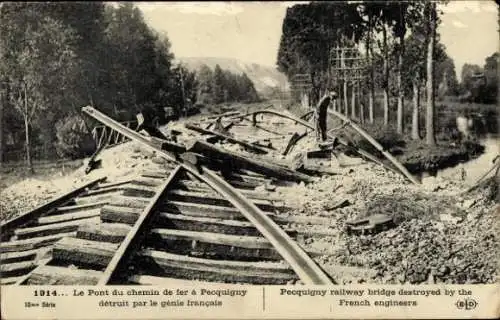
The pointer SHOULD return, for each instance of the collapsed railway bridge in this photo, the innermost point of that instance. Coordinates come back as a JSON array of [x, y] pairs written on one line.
[[212, 206]]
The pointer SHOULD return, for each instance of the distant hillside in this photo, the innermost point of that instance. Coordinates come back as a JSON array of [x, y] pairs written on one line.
[[264, 78]]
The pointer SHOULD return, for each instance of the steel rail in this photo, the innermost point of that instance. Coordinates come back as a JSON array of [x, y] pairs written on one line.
[[136, 234], [7, 227], [377, 145], [305, 268], [310, 126]]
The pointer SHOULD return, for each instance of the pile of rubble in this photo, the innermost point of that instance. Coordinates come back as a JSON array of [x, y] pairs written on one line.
[[436, 238]]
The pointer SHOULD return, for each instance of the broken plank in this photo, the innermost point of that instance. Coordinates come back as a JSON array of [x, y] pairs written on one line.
[[213, 244], [180, 266], [230, 139], [113, 184], [8, 226], [69, 216], [129, 201], [83, 252], [243, 184], [53, 275], [240, 161], [228, 213], [76, 208], [126, 215], [139, 191], [305, 220], [184, 222], [9, 280], [202, 187], [146, 181], [104, 232], [96, 199], [102, 191], [154, 174], [203, 210], [32, 243], [16, 269], [18, 256], [215, 199], [251, 242], [48, 229]]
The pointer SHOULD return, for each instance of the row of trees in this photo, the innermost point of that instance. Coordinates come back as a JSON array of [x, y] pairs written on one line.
[[57, 57], [401, 47], [480, 84], [218, 86]]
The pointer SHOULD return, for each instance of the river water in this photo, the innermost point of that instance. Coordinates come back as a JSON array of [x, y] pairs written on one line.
[[475, 168]]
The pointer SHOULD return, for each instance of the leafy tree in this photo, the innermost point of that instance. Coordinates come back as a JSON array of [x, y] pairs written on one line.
[[79, 53], [310, 32], [183, 86], [247, 89], [205, 85], [131, 56], [491, 78], [38, 63], [218, 85]]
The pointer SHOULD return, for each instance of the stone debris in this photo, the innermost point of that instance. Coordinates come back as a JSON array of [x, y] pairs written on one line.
[[437, 237]]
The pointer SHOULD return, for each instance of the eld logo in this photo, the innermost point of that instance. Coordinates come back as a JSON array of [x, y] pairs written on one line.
[[466, 304]]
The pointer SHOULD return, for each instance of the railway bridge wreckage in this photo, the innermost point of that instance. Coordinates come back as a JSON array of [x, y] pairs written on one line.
[[204, 213]]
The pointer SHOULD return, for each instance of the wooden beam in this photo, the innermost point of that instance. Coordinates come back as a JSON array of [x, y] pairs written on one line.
[[16, 269], [139, 190], [213, 244], [129, 201], [104, 232], [240, 161], [8, 226], [95, 199], [203, 210], [83, 252], [215, 199], [145, 181], [180, 266], [120, 214], [228, 213], [81, 207], [69, 216], [246, 145], [32, 243], [18, 256], [54, 228], [53, 275], [184, 222], [195, 186]]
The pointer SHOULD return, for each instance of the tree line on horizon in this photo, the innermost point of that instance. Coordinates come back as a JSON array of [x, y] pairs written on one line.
[[402, 56], [57, 57]]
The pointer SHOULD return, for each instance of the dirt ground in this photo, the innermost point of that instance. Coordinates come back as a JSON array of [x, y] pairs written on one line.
[[439, 236]]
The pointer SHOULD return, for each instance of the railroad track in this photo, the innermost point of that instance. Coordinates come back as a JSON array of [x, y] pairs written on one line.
[[181, 223], [189, 232]]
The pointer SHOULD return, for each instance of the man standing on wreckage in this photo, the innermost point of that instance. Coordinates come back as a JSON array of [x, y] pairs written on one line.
[[320, 113]]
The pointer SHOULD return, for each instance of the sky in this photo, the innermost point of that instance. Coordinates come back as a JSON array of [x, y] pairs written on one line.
[[251, 31]]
